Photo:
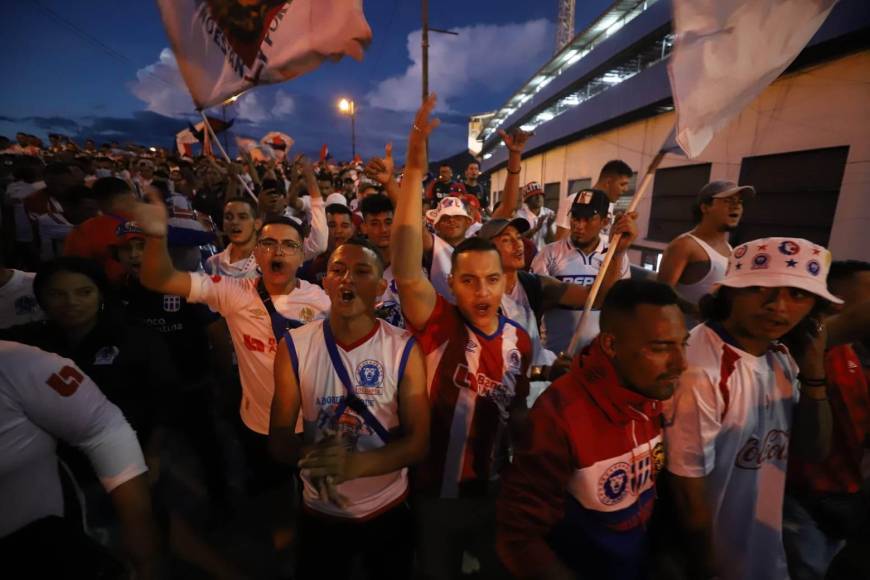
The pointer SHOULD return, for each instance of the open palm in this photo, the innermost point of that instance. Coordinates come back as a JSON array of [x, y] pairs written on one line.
[[152, 217]]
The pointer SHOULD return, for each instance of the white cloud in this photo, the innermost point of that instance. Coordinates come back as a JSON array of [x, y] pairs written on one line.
[[284, 104], [161, 87], [249, 108], [483, 55]]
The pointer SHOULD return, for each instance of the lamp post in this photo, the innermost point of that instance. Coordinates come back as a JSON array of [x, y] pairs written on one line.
[[348, 107]]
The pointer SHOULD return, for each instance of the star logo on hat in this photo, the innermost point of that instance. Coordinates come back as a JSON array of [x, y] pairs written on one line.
[[762, 247], [791, 263]]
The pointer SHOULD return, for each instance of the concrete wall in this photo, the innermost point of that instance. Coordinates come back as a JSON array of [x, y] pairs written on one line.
[[824, 106]]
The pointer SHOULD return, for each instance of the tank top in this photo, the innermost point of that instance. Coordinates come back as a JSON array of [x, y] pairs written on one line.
[[718, 266]]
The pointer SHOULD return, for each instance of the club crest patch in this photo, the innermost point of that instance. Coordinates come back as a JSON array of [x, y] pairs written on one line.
[[789, 248], [613, 484], [760, 262], [814, 267], [740, 252], [370, 373]]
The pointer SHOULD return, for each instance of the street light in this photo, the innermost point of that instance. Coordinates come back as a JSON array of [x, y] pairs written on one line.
[[348, 107]]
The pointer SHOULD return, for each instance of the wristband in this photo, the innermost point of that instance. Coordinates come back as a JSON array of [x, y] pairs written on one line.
[[812, 382]]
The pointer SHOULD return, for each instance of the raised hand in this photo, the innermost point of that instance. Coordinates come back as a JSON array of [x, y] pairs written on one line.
[[151, 217], [515, 141], [381, 170], [415, 158]]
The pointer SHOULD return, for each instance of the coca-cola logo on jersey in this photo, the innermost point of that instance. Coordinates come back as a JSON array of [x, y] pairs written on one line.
[[755, 453]]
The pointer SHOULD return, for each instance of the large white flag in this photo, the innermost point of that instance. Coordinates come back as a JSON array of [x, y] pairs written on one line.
[[726, 52], [224, 47]]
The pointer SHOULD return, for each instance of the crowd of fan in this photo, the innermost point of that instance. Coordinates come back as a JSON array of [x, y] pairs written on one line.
[[339, 370]]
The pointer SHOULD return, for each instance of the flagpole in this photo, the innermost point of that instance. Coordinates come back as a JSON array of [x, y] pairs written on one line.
[[223, 151], [611, 249]]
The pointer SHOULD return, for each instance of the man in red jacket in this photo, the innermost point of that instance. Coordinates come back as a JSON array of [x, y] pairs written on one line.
[[575, 501]]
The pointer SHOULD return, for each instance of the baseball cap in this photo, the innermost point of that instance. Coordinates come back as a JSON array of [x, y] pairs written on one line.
[[336, 199], [496, 226], [447, 206], [590, 202], [722, 189], [773, 262], [127, 231], [531, 189]]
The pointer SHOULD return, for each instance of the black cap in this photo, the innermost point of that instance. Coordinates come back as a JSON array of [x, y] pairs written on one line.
[[590, 202], [496, 226]]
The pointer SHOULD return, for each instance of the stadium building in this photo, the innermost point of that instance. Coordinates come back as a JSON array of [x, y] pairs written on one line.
[[804, 143]]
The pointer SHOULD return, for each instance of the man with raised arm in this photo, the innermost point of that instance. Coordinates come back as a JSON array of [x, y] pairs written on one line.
[[359, 384], [257, 311], [477, 371]]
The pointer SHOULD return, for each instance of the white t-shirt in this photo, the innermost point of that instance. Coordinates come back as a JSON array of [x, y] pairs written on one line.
[[540, 237], [43, 398], [18, 303], [220, 264], [251, 331], [15, 194], [563, 261], [376, 368], [730, 421]]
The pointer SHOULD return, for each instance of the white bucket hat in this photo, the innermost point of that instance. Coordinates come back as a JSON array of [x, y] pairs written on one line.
[[447, 206], [773, 262], [335, 199]]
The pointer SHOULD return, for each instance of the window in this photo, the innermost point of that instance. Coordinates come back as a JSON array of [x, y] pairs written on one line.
[[551, 195], [625, 199], [575, 185], [675, 190], [797, 194]]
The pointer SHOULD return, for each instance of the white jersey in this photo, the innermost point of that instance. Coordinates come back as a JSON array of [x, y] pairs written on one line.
[[43, 398], [718, 266], [387, 305], [730, 421], [220, 265], [375, 366], [563, 261], [540, 237], [251, 330], [442, 252], [18, 304], [515, 305]]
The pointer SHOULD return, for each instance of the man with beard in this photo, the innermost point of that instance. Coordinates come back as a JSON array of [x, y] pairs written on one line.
[[747, 403], [577, 260], [241, 223], [258, 310], [360, 386], [477, 371], [580, 491], [695, 261]]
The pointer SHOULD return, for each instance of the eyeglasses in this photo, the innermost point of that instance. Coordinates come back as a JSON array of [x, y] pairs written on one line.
[[272, 245]]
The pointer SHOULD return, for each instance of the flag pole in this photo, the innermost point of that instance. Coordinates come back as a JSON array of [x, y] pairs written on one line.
[[611, 249], [223, 151]]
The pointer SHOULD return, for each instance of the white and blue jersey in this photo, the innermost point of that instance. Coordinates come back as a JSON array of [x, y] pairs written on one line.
[[566, 263]]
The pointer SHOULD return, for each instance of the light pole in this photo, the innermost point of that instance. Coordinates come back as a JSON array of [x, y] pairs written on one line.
[[348, 107]]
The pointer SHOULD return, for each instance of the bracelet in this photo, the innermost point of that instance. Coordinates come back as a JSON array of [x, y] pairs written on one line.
[[517, 172], [812, 382]]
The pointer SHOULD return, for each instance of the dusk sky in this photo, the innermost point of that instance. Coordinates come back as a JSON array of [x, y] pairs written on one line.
[[102, 69]]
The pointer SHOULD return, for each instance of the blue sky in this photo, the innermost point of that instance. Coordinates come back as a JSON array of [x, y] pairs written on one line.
[[79, 68]]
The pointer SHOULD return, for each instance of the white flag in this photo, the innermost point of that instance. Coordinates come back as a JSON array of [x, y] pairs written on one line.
[[185, 140], [726, 52], [224, 47], [259, 153], [279, 142]]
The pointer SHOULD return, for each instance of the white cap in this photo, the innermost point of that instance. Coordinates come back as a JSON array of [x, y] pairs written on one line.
[[773, 262], [335, 199], [447, 206]]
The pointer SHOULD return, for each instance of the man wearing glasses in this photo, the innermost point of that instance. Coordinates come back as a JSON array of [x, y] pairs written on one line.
[[256, 311], [696, 260]]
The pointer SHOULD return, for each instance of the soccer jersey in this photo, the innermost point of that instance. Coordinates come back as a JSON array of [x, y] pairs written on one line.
[[473, 379], [251, 331], [220, 265], [45, 397], [18, 304], [730, 421], [375, 365], [387, 305], [515, 305], [563, 261]]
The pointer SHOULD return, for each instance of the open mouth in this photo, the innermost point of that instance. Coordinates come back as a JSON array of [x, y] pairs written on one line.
[[734, 216], [482, 308], [277, 266], [347, 296]]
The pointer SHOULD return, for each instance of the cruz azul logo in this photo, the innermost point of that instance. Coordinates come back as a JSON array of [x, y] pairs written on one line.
[[755, 453]]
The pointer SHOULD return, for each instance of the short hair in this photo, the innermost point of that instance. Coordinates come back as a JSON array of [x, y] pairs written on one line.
[[271, 184], [624, 296], [440, 165], [374, 204], [107, 188], [473, 244], [616, 167], [284, 221], [75, 264], [717, 307], [255, 210], [842, 270], [364, 243], [335, 208]]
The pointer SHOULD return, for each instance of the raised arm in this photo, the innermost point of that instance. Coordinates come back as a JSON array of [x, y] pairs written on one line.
[[158, 273], [416, 293], [510, 197], [316, 241], [382, 170]]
